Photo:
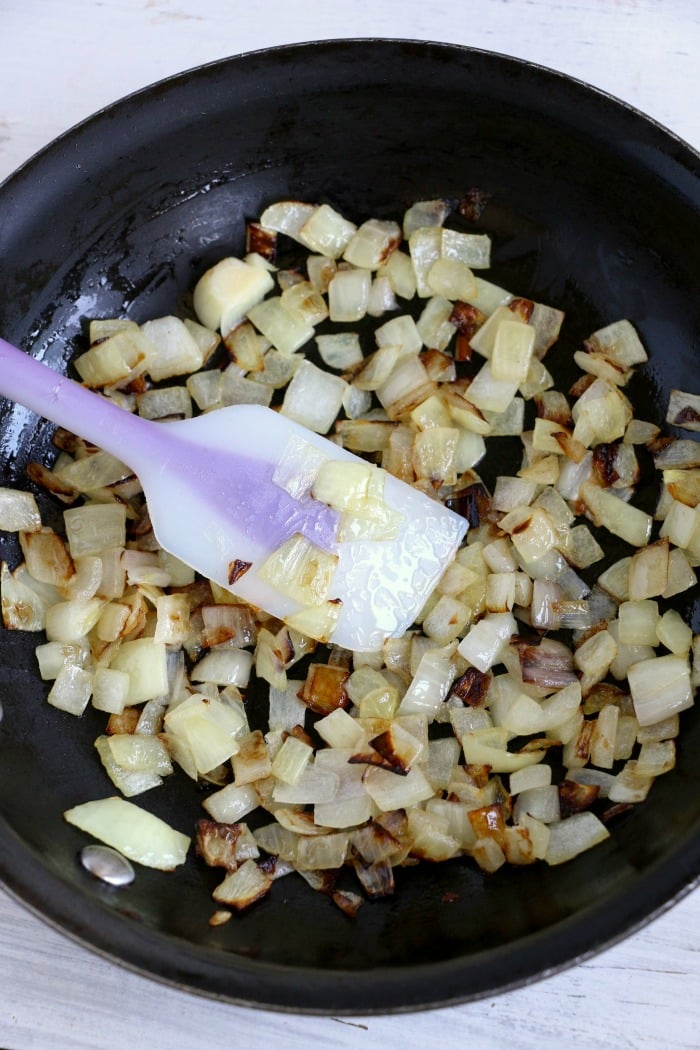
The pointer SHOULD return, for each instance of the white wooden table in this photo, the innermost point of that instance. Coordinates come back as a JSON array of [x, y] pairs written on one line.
[[61, 62]]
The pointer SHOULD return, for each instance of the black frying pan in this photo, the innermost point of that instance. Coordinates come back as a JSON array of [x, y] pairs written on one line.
[[595, 209]]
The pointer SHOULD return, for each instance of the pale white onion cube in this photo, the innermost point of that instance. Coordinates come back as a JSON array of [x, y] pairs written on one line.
[[145, 661], [171, 402], [287, 330], [471, 449], [660, 687], [114, 360], [110, 690], [615, 580], [95, 527], [321, 270], [604, 737], [443, 756], [291, 760], [18, 511], [208, 727], [594, 657], [530, 777], [537, 379], [174, 351], [430, 837], [619, 518], [252, 761], [666, 729], [297, 467], [378, 368], [511, 492], [231, 803], [656, 758], [674, 633], [512, 351], [531, 532], [313, 398], [172, 619], [538, 834], [434, 326], [485, 642], [356, 403], [71, 689], [541, 802], [316, 621], [339, 729], [301, 570], [408, 385], [489, 393], [381, 297], [681, 574], [399, 331], [305, 303], [618, 342], [447, 620], [680, 524], [390, 791], [224, 667], [314, 785], [348, 295], [425, 213], [572, 836], [340, 350], [139, 753], [474, 249], [649, 571], [630, 786], [425, 247], [638, 622], [327, 232], [601, 414], [242, 390], [429, 686], [288, 217], [227, 291], [53, 656], [452, 279], [322, 852], [205, 389], [626, 654], [484, 339], [344, 813], [129, 782], [500, 591], [286, 710], [71, 621], [400, 273], [434, 453], [373, 243]]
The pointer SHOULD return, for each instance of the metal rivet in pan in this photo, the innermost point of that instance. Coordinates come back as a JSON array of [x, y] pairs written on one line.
[[106, 864]]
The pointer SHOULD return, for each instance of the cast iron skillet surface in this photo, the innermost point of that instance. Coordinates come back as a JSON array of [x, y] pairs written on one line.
[[595, 209]]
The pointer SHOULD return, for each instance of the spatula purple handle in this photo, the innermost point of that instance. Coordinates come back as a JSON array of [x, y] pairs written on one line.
[[70, 405]]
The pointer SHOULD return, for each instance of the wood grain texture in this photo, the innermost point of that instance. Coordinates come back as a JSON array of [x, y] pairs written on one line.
[[61, 62], [639, 994]]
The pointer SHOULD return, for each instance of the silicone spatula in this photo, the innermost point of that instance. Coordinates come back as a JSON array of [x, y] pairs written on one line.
[[213, 503]]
